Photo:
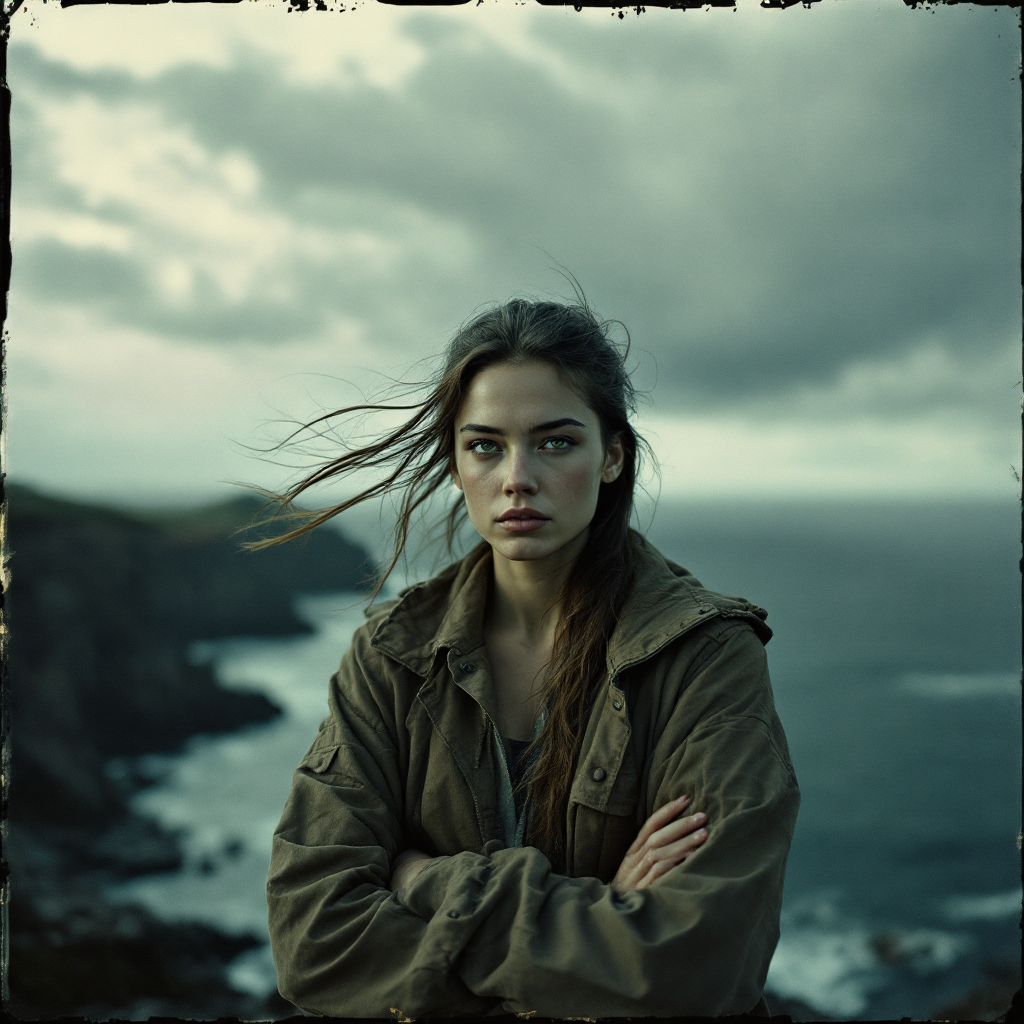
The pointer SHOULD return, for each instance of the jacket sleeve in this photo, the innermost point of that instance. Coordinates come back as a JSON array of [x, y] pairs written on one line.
[[343, 945], [698, 942]]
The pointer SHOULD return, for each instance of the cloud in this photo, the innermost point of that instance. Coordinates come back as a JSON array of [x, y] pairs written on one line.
[[162, 38], [802, 217], [935, 456]]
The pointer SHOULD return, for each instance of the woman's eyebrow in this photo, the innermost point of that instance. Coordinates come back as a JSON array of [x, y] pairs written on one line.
[[479, 428]]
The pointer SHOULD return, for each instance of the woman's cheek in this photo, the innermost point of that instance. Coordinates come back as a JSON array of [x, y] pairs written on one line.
[[474, 484], [579, 490]]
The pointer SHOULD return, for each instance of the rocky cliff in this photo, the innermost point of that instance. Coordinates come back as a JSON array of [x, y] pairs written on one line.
[[102, 607]]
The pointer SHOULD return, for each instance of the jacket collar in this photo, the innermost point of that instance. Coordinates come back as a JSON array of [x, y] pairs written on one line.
[[446, 613], [663, 603]]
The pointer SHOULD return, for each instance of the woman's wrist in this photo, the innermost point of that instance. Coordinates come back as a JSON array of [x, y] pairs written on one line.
[[407, 866]]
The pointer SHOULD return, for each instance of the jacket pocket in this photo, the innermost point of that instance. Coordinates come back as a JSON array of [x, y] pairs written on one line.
[[335, 764], [601, 837], [319, 758], [600, 841]]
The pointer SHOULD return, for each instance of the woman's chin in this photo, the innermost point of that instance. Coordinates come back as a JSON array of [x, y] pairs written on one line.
[[524, 547]]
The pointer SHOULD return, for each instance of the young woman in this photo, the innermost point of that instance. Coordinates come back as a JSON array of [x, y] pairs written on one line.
[[552, 779]]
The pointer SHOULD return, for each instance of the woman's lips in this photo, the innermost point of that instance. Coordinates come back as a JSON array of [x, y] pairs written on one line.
[[522, 525]]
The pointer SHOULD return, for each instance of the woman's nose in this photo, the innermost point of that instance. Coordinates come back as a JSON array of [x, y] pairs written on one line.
[[519, 479]]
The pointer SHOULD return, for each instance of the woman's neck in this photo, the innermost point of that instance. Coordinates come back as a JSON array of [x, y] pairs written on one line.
[[524, 596]]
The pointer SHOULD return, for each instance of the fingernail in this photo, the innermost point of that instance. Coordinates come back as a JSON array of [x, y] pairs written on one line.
[[682, 799], [699, 816], [702, 831]]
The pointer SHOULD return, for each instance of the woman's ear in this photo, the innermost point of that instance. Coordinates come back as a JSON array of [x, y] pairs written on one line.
[[456, 479], [614, 460]]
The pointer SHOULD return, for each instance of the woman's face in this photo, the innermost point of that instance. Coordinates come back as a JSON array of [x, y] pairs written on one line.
[[529, 458]]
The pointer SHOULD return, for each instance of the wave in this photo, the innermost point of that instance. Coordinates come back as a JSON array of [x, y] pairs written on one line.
[[991, 907], [951, 685], [835, 964]]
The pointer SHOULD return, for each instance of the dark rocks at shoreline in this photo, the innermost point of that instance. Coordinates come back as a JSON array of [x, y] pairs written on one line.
[[102, 607], [795, 1009], [991, 1000], [75, 954]]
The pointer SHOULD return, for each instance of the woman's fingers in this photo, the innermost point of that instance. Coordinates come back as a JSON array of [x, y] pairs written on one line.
[[668, 857], [665, 839], [669, 833], [665, 813], [686, 845], [673, 851], [660, 858], [666, 834], [659, 818], [676, 829], [654, 874]]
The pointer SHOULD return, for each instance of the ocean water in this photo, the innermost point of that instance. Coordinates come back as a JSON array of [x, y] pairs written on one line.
[[896, 669]]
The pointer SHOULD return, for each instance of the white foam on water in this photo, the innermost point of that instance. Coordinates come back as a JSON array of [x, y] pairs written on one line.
[[253, 972], [990, 907], [294, 671], [959, 686], [835, 964], [824, 961]]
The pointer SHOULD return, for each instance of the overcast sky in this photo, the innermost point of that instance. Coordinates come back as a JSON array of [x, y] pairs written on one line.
[[808, 220]]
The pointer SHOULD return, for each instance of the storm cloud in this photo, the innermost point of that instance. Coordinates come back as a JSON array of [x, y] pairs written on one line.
[[801, 210]]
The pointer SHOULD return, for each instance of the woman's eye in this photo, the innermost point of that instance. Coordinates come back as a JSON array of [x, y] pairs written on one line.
[[560, 444], [484, 447]]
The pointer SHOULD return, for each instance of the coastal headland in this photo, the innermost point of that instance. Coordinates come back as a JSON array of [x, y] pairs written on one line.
[[102, 607]]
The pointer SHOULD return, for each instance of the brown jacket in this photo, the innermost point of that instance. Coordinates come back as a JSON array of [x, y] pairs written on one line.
[[410, 757]]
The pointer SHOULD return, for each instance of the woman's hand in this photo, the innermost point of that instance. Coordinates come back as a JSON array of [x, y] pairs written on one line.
[[662, 844], [408, 864]]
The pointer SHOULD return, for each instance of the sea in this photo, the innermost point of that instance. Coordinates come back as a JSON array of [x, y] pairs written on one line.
[[896, 669]]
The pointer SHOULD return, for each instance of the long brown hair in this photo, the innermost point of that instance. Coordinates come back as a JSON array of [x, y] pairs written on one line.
[[421, 455]]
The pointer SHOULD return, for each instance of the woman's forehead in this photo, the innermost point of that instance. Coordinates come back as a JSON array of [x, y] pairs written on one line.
[[519, 394]]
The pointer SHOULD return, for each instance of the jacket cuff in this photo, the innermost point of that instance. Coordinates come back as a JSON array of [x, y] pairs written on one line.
[[452, 884]]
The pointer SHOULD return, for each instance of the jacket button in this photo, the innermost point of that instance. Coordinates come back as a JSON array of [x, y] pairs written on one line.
[[598, 774], [453, 913], [467, 666], [703, 611], [617, 704]]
